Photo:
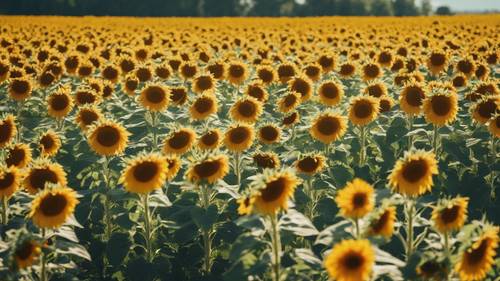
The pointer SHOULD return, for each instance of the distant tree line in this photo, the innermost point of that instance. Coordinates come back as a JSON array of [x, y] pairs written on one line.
[[217, 8]]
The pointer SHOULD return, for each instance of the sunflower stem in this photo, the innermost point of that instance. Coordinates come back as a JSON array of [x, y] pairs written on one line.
[[20, 106], [310, 193], [356, 224], [5, 210], [410, 128], [446, 245], [362, 152], [409, 232], [107, 202], [206, 233], [147, 228], [43, 267], [435, 141], [293, 133], [154, 129], [237, 164], [276, 247], [493, 161]]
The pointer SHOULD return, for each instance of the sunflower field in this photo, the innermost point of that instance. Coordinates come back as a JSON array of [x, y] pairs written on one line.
[[347, 149]]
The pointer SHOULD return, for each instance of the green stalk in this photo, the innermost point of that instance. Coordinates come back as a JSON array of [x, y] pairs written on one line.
[[446, 245], [410, 128], [435, 140], [147, 228], [237, 164], [362, 153], [276, 247], [493, 161], [206, 233], [107, 201], [356, 225], [18, 119], [154, 129], [409, 232], [43, 267], [5, 214]]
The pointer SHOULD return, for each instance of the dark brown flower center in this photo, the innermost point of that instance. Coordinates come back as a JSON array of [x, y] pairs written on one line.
[[438, 59], [178, 95], [487, 108], [346, 69], [6, 181], [188, 71], [210, 138], [371, 70], [415, 170], [203, 105], [312, 71], [162, 72], [353, 261], [20, 87], [477, 255], [217, 70], [441, 105], [359, 200], [378, 225], [286, 71], [290, 100], [155, 94], [143, 74], [264, 161], [204, 83], [290, 119], [375, 90], [239, 135], [384, 105], [274, 189], [131, 84], [53, 204], [47, 142], [85, 71], [127, 65], [329, 90], [430, 268], [88, 117], [25, 250], [110, 73], [265, 75], [145, 171], [179, 140], [85, 97], [363, 109], [236, 71], [308, 164], [459, 81], [39, 177], [465, 66], [6, 130], [207, 169], [301, 86], [450, 215], [59, 102], [16, 156], [108, 136], [269, 133], [325, 62], [247, 108], [414, 96], [256, 92], [328, 125]]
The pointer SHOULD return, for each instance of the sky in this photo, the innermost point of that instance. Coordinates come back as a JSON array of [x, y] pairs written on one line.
[[468, 5]]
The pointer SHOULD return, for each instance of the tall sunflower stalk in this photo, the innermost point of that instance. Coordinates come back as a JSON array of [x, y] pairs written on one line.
[[275, 246], [147, 228], [205, 200], [5, 206], [107, 201], [410, 219]]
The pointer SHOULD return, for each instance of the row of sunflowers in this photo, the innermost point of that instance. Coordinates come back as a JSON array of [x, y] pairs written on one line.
[[249, 149]]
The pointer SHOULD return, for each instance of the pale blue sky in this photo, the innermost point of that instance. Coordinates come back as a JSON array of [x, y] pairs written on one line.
[[468, 5]]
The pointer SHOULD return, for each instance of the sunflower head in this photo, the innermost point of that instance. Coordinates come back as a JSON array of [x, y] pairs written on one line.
[[10, 180], [266, 160], [356, 199], [53, 206], [130, 84], [18, 155], [245, 205], [85, 95], [217, 70], [272, 190], [346, 70], [485, 108], [49, 143], [145, 173], [327, 62], [8, 129], [376, 89], [466, 66], [107, 138], [208, 167], [236, 72], [432, 267], [269, 134], [87, 115], [257, 91], [111, 73], [440, 108], [437, 61], [286, 71], [313, 71], [478, 250], [203, 83], [178, 95], [155, 97], [144, 73], [20, 89], [450, 214], [363, 110], [26, 252], [301, 85], [494, 125], [210, 140], [204, 106], [328, 127], [382, 222], [459, 81], [266, 74], [385, 104], [239, 137], [482, 72], [163, 71], [412, 175], [330, 93], [310, 163], [59, 103], [179, 141], [412, 98], [350, 260], [291, 119], [289, 102], [371, 71], [246, 110]]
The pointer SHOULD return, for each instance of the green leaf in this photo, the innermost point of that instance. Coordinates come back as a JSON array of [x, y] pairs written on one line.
[[139, 269], [243, 243], [298, 224], [118, 247], [204, 219]]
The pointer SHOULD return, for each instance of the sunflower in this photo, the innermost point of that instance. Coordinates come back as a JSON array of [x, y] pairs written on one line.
[[385, 104], [432, 269], [20, 89], [237, 73], [286, 71], [313, 71], [43, 172], [239, 137], [382, 223], [376, 90], [330, 93], [52, 207], [327, 62], [188, 70], [110, 73], [210, 140], [459, 81], [87, 115], [163, 71], [59, 103], [8, 130], [265, 160], [412, 175], [484, 109], [10, 180], [180, 141], [310, 164], [18, 155], [494, 125], [371, 71], [477, 258], [203, 83], [350, 260], [356, 199], [144, 73], [328, 127], [412, 98], [269, 134], [451, 214], [245, 205], [385, 58], [4, 70], [466, 66], [482, 72], [363, 110], [257, 91], [291, 119], [246, 110], [145, 173], [130, 84], [273, 190], [217, 70], [203, 106], [440, 108], [209, 168], [173, 165], [26, 253], [266, 74], [302, 85], [178, 95], [289, 102], [437, 62], [107, 138], [347, 70], [154, 97], [126, 63], [49, 143], [86, 95]]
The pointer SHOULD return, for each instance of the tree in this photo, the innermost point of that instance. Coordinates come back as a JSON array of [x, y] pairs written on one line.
[[382, 8], [405, 8], [443, 10], [425, 7], [220, 8]]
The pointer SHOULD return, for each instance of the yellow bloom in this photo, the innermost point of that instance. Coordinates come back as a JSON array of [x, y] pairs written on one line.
[[450, 215], [145, 173], [52, 207], [273, 190], [351, 260], [356, 199], [412, 175]]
